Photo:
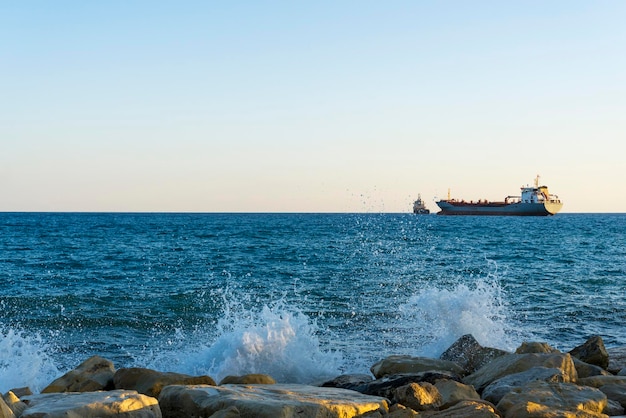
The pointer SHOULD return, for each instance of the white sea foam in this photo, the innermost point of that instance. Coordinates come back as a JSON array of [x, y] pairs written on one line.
[[439, 316], [273, 339], [25, 361]]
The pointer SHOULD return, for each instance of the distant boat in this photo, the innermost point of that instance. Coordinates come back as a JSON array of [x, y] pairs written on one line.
[[418, 206], [534, 201]]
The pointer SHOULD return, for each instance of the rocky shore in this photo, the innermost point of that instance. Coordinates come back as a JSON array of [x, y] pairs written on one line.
[[468, 380]]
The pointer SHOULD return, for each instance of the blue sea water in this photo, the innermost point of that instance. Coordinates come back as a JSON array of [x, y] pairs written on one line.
[[302, 297]]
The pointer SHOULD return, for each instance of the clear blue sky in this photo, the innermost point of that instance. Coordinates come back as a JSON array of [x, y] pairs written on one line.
[[309, 106]]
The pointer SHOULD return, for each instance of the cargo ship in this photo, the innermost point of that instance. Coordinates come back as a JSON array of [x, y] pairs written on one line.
[[534, 201], [418, 206]]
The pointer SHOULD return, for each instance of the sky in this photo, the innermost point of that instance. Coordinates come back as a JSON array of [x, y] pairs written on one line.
[[320, 106]]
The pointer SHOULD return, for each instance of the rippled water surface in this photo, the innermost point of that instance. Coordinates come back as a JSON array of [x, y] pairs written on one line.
[[298, 296]]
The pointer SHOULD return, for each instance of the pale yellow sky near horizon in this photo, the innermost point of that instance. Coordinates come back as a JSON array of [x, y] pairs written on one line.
[[321, 107]]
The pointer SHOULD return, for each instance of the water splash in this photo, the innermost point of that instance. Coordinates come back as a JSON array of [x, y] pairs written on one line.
[[274, 339], [25, 361], [441, 315]]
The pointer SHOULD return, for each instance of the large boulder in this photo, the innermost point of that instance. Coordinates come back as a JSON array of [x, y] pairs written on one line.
[[117, 403], [453, 392], [247, 379], [515, 363], [95, 373], [469, 354], [535, 347], [150, 382], [496, 390], [419, 396], [540, 399], [385, 386], [406, 364], [268, 401], [592, 352]]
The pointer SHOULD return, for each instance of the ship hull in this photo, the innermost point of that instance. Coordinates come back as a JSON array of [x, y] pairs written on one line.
[[499, 208]]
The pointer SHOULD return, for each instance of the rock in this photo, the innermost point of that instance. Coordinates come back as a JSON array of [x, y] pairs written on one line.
[[469, 354], [615, 393], [515, 363], [535, 347], [419, 396], [247, 379], [95, 373], [230, 412], [587, 370], [617, 359], [622, 372], [268, 401], [151, 382], [614, 409], [348, 381], [453, 392], [599, 381], [14, 403], [465, 409], [385, 386], [543, 399], [401, 411], [496, 390], [20, 392], [407, 364], [592, 352], [116, 403], [5, 411]]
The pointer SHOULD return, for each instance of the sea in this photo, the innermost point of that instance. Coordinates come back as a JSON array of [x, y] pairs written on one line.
[[301, 297]]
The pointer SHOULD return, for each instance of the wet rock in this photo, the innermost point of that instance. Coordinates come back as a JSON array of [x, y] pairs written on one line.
[[116, 403], [592, 352], [469, 354], [95, 373], [407, 364], [496, 390], [613, 408], [151, 382], [247, 379], [268, 401], [516, 363], [543, 399]]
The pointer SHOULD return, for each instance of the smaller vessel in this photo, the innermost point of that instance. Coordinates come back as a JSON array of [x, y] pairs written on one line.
[[418, 206], [534, 201]]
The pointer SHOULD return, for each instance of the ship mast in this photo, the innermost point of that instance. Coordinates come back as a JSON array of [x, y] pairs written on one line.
[[537, 181]]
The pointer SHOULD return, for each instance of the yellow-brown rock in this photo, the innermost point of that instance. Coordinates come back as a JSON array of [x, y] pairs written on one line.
[[95, 373], [151, 382]]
